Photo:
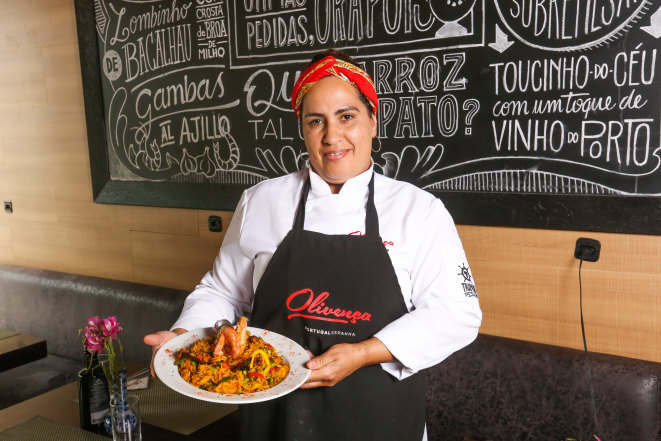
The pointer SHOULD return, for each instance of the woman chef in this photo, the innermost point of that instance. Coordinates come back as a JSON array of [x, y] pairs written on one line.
[[365, 272]]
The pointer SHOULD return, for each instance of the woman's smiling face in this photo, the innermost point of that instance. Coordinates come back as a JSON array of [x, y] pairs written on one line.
[[338, 131]]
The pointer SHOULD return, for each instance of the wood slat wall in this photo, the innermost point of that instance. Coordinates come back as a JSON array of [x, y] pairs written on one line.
[[527, 279]]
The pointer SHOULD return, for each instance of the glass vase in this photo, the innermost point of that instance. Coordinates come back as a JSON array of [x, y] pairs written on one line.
[[126, 419]]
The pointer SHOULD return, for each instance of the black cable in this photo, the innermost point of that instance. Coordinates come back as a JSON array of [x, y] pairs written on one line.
[[585, 345]]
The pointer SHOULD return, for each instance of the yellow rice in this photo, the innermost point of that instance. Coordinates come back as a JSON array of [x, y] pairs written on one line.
[[222, 375]]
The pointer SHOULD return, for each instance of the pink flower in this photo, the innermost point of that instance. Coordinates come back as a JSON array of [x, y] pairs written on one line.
[[95, 323], [100, 333], [94, 342], [111, 327]]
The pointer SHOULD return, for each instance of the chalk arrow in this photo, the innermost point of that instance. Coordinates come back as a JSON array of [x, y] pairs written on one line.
[[502, 42], [654, 29]]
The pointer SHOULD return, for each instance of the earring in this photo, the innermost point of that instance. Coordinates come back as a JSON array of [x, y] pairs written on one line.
[[377, 151]]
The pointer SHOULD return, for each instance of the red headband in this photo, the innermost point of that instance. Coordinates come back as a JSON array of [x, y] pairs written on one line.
[[340, 69]]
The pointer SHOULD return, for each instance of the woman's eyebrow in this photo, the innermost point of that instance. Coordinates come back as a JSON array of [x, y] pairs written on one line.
[[337, 112], [346, 109]]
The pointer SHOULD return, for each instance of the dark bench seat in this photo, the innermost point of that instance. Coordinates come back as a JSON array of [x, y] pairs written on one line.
[[502, 389], [25, 382], [54, 306]]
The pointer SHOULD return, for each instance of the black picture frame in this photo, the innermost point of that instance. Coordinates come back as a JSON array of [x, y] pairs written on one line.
[[603, 213]]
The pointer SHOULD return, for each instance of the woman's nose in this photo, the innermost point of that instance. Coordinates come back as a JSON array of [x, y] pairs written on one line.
[[333, 134]]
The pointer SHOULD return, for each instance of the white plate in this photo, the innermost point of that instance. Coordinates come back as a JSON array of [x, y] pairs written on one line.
[[292, 354]]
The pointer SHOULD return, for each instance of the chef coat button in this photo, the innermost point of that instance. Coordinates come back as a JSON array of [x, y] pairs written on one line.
[[309, 207]]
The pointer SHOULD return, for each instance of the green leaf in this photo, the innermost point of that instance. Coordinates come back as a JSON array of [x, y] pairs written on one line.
[[121, 350]]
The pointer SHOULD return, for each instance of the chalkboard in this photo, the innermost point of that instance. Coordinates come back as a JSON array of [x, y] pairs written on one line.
[[533, 113]]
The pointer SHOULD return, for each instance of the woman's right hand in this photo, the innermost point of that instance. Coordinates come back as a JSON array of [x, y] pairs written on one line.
[[157, 340]]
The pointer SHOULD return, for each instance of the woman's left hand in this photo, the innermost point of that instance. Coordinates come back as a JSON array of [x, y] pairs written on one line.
[[342, 360]]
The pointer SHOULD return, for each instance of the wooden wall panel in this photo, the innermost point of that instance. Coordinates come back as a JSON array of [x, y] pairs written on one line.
[[127, 217], [173, 260], [6, 243], [521, 290], [31, 190], [637, 253], [45, 137], [22, 81], [2, 150], [62, 74], [36, 23], [520, 273], [73, 182], [81, 250], [527, 280]]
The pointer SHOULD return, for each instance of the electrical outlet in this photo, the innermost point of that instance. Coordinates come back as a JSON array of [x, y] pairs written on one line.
[[587, 248], [9, 207], [215, 224]]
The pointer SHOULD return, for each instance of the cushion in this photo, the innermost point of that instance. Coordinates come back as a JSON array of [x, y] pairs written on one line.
[[54, 306], [36, 378], [504, 389]]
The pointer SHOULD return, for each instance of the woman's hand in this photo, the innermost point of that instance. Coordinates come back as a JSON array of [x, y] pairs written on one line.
[[342, 360], [157, 340]]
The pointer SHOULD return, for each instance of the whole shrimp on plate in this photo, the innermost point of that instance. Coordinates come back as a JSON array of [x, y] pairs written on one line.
[[234, 338]]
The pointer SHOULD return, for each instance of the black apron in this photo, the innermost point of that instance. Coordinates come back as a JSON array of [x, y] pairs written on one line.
[[321, 290]]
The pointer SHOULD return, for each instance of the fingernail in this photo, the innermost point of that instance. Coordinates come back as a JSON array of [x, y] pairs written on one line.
[[312, 364]]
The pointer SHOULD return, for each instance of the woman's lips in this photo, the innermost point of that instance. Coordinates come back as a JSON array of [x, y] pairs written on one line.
[[336, 155]]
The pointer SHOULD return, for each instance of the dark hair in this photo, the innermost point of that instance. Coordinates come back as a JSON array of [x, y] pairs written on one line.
[[340, 55]]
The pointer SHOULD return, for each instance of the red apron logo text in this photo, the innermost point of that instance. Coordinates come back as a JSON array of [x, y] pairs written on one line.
[[385, 242], [317, 306]]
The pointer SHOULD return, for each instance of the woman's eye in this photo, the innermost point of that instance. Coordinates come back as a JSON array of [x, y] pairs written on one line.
[[347, 117]]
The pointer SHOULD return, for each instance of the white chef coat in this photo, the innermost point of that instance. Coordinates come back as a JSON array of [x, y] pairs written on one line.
[[418, 232]]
